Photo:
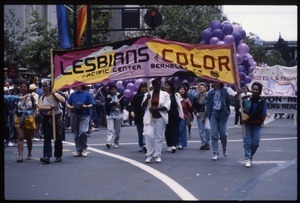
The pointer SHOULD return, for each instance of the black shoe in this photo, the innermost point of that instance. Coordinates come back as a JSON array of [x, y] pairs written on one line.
[[145, 149], [45, 160], [202, 147], [108, 146], [207, 147], [58, 159]]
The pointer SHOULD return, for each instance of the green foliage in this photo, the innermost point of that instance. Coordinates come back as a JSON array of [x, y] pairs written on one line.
[[29, 48]]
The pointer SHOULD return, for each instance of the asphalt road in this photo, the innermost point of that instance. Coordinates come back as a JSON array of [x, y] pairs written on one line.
[[189, 174]]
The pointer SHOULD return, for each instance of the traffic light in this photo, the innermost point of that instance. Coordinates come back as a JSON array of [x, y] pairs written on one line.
[[153, 18]]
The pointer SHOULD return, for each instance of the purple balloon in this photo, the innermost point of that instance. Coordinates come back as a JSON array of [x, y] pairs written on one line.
[[225, 22], [127, 93], [228, 39], [241, 68], [218, 33], [130, 86], [239, 58], [119, 84], [251, 75], [227, 29], [242, 49], [206, 35], [203, 42], [242, 75], [215, 24], [137, 83], [97, 85], [250, 70], [242, 33], [214, 41], [242, 83], [237, 37], [247, 79], [121, 90]]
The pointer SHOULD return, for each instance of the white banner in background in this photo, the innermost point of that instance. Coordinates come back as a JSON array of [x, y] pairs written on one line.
[[276, 80]]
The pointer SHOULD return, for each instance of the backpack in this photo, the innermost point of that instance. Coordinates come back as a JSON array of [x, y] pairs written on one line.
[[250, 107]]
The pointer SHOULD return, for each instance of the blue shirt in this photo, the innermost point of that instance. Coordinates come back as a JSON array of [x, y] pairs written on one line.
[[77, 99]]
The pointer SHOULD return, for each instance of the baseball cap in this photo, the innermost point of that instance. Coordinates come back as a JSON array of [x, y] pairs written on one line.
[[32, 87]]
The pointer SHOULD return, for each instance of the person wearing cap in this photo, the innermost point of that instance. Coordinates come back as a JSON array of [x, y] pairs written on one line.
[[80, 102], [46, 104], [114, 107], [156, 104], [217, 109]]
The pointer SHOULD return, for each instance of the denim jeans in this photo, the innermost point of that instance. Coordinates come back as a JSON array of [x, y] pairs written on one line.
[[182, 133], [251, 140], [113, 129], [80, 127], [218, 125], [140, 129], [204, 133]]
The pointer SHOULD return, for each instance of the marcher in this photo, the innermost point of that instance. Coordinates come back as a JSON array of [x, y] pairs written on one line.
[[80, 102], [37, 118], [47, 102], [114, 107], [156, 104], [199, 110], [100, 116], [253, 119], [237, 106], [24, 121], [171, 133], [217, 109], [186, 106], [137, 113]]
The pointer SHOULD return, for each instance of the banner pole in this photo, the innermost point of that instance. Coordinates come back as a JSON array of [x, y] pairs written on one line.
[[149, 101], [53, 101], [237, 77]]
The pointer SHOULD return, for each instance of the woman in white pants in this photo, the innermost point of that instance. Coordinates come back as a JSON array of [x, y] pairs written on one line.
[[156, 103]]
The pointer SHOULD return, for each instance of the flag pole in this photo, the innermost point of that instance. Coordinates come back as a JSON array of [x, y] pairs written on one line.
[[237, 77], [53, 102]]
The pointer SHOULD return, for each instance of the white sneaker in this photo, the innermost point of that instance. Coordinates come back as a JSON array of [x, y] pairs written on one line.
[[215, 157], [11, 144], [248, 163], [236, 126], [158, 160], [169, 149], [116, 145], [84, 153], [148, 159], [173, 149]]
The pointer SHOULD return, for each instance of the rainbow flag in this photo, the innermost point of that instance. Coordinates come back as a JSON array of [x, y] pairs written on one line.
[[81, 23], [63, 25]]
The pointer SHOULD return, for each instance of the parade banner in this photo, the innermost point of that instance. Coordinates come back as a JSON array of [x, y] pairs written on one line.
[[142, 57], [281, 104], [276, 80]]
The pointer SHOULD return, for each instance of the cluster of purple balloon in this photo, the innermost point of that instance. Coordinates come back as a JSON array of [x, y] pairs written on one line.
[[226, 33], [126, 87]]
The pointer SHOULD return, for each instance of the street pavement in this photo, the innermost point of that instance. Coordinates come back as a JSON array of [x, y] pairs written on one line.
[[189, 174]]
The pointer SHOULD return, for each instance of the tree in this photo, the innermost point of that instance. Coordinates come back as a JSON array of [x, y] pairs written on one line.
[[29, 48], [282, 47]]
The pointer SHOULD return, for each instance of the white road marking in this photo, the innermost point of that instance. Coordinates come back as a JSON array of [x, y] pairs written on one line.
[[172, 184]]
